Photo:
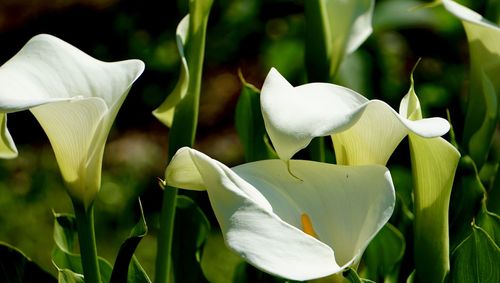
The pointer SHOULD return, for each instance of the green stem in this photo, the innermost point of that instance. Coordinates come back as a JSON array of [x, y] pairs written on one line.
[[183, 131], [86, 238], [165, 236], [317, 149], [316, 41]]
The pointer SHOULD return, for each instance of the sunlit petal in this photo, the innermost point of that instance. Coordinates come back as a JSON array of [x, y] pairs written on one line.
[[260, 208], [433, 164], [7, 147], [182, 172], [70, 127], [48, 69], [374, 137], [364, 132], [74, 97], [293, 116]]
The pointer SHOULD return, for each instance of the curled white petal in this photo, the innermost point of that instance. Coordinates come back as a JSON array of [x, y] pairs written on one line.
[[467, 14], [74, 97], [295, 115], [259, 207]]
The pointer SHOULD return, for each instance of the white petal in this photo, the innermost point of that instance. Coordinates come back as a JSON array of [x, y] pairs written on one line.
[[181, 172], [294, 116], [71, 127], [48, 69], [467, 14], [348, 205], [74, 97], [7, 147], [374, 137], [259, 207]]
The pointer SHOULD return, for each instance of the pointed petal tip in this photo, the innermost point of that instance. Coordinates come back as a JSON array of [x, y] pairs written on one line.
[[182, 171], [429, 127], [274, 76]]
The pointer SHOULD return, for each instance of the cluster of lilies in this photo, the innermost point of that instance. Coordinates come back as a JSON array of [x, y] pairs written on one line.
[[295, 219]]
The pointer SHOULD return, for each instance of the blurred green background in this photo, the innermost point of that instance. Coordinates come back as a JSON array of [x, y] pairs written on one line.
[[251, 35]]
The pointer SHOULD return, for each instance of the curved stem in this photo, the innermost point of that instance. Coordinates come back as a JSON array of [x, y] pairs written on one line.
[[86, 238]]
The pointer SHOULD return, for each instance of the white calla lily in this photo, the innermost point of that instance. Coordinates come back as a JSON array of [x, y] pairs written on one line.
[[433, 162], [364, 131], [300, 227], [484, 98], [74, 97]]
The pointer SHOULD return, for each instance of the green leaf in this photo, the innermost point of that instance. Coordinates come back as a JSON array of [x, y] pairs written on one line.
[[219, 264], [15, 267], [136, 272], [353, 277], [493, 200], [480, 142], [476, 259], [490, 222], [68, 276], [63, 256], [126, 265], [73, 263], [190, 233], [250, 124], [65, 231], [383, 254], [466, 197]]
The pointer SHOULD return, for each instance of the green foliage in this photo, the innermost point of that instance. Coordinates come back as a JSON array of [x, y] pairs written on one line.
[[353, 277], [250, 125], [383, 255], [476, 258], [466, 197], [219, 264], [190, 233], [490, 222], [127, 268], [63, 256], [15, 267]]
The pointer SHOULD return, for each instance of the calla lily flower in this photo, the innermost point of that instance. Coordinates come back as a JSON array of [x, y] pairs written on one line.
[[304, 226], [74, 97], [363, 131], [484, 99], [434, 162]]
